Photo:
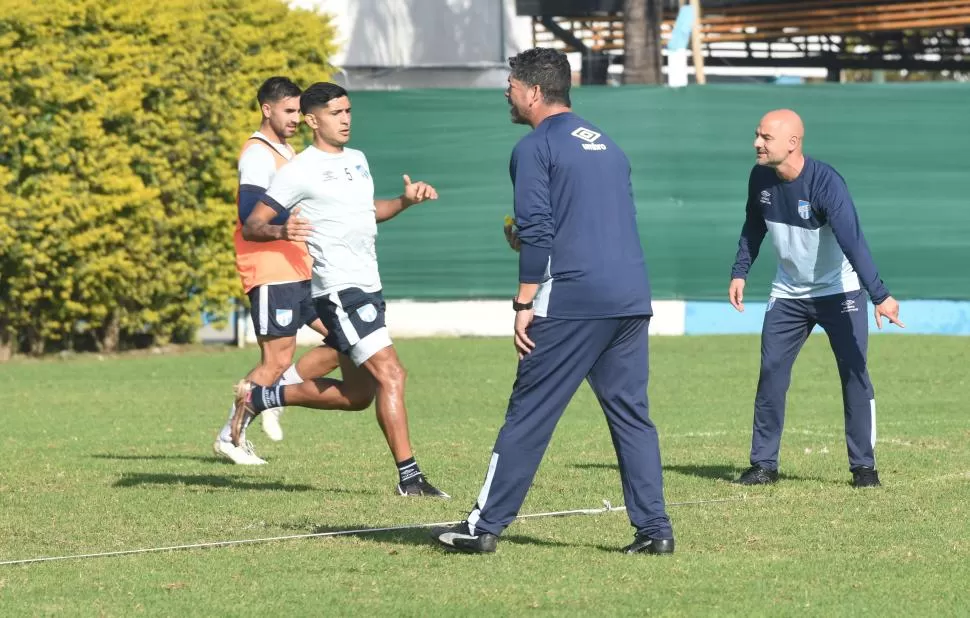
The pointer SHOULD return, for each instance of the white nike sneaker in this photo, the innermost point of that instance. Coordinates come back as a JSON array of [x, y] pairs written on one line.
[[271, 423], [240, 455]]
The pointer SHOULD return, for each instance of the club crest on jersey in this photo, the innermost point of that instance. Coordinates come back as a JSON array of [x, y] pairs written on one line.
[[284, 316], [804, 209], [588, 136], [363, 171]]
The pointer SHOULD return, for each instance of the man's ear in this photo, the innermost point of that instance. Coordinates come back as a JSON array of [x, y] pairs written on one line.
[[536, 93]]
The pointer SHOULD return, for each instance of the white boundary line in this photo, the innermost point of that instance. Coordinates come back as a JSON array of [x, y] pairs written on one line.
[[607, 508]]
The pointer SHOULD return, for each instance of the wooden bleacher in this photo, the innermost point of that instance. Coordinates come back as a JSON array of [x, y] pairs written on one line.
[[777, 21], [828, 17]]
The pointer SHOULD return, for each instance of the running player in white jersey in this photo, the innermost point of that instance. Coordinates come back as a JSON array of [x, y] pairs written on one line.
[[275, 276], [328, 191]]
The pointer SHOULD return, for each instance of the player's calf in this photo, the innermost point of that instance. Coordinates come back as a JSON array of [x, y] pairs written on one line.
[[244, 411]]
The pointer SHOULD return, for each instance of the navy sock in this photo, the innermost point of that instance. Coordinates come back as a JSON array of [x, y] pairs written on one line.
[[409, 471], [266, 397]]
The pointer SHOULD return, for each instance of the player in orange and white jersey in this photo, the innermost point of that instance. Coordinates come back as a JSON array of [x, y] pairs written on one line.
[[274, 275]]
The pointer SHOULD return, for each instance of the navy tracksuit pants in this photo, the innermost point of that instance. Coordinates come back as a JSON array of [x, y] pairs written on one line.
[[788, 322], [612, 354]]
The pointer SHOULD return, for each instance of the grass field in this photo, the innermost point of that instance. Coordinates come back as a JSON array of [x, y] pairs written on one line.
[[112, 454]]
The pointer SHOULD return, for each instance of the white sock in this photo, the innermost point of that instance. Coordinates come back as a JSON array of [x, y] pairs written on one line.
[[290, 376], [226, 434]]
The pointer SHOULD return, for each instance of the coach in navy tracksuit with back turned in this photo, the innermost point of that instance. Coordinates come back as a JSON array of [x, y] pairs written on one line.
[[582, 309]]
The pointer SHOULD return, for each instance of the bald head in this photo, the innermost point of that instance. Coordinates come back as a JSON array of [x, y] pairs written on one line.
[[785, 122], [779, 137]]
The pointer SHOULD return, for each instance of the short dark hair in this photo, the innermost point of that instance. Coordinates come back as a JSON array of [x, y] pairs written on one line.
[[546, 68], [318, 95], [276, 89]]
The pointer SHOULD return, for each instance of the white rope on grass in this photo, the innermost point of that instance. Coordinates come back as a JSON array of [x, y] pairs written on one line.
[[607, 508]]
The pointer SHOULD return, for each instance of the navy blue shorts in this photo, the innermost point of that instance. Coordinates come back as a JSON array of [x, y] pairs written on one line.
[[281, 309], [355, 322]]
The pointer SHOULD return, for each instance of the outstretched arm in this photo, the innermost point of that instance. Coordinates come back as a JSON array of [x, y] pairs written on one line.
[[414, 193]]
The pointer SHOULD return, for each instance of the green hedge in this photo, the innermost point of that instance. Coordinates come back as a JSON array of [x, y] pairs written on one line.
[[122, 124]]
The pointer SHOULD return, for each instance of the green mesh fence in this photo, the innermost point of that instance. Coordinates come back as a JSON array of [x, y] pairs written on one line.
[[901, 149]]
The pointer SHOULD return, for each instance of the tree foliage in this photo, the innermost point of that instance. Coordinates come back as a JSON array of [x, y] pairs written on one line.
[[122, 123]]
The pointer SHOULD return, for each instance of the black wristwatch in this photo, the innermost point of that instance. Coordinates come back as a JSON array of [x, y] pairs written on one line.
[[517, 306]]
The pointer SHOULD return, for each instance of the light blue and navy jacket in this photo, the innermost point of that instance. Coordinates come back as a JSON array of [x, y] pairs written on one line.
[[815, 230]]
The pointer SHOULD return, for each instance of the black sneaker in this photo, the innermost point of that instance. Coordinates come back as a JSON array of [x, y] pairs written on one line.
[[643, 544], [756, 475], [421, 487], [460, 538], [865, 477]]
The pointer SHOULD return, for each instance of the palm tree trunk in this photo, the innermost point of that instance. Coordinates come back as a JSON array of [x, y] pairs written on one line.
[[643, 62]]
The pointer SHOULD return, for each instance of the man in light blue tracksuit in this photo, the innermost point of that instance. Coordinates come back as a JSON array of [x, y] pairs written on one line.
[[824, 272]]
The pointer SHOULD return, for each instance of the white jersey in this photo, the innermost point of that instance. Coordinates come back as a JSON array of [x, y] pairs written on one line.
[[257, 166], [335, 192]]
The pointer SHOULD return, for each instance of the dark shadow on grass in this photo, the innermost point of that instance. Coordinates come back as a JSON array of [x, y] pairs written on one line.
[[521, 539], [211, 458], [729, 473], [596, 466], [138, 479], [716, 472], [617, 549], [420, 536], [413, 536]]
